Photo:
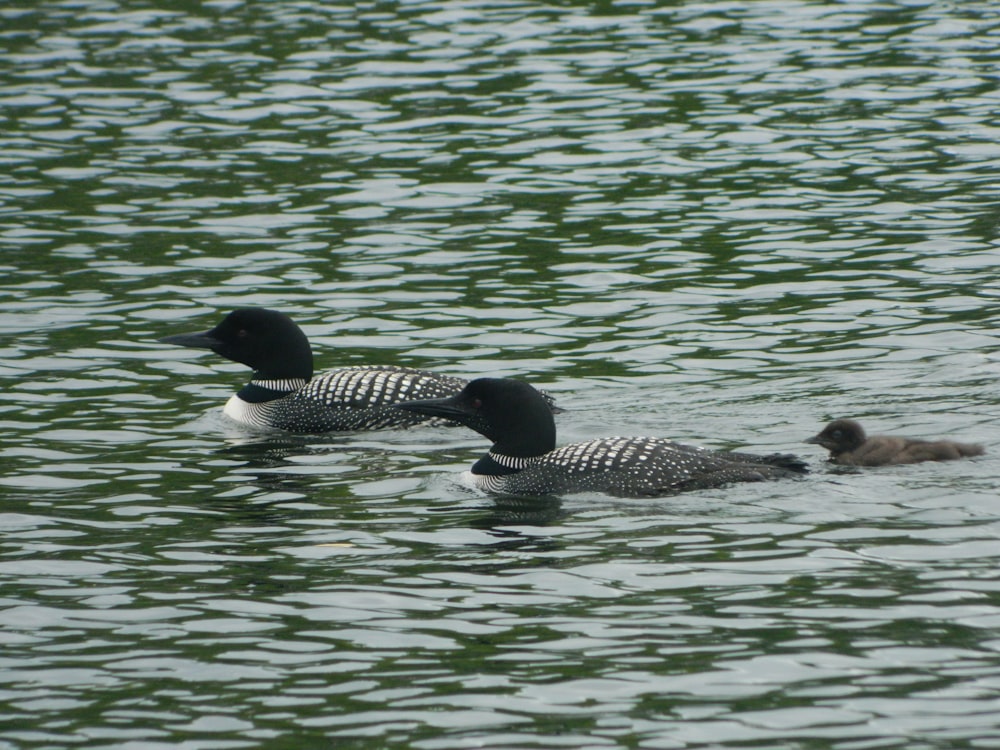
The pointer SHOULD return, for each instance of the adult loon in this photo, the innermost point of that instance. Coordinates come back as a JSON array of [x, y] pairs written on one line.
[[525, 461], [282, 392], [850, 446]]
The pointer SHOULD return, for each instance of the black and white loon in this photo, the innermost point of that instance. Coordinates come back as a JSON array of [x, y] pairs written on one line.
[[524, 460], [282, 392]]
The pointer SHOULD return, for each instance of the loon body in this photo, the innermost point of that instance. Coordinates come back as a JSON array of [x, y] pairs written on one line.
[[282, 392], [525, 461], [850, 446]]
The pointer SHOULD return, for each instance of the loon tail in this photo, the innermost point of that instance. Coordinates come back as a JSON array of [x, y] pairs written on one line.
[[787, 461]]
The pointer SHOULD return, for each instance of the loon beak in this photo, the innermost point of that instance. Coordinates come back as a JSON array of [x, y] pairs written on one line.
[[814, 440], [449, 408], [203, 340]]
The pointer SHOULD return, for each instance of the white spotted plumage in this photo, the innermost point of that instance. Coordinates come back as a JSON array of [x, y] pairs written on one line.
[[355, 398], [629, 467]]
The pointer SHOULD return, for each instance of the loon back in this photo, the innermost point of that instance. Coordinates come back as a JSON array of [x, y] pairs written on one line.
[[353, 398], [635, 467], [282, 394], [524, 460]]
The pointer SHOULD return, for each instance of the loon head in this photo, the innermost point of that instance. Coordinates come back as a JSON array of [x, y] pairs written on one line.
[[509, 412], [840, 436], [266, 340]]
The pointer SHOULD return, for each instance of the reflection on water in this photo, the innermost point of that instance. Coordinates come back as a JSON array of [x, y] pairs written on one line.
[[724, 224]]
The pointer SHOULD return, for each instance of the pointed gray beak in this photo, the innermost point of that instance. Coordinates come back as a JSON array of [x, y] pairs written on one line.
[[449, 407], [203, 340]]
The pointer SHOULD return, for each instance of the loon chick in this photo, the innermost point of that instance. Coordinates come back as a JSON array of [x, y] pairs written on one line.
[[849, 446], [282, 392], [524, 459]]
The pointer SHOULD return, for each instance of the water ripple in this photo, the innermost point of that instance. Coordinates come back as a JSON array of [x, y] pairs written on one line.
[[720, 223]]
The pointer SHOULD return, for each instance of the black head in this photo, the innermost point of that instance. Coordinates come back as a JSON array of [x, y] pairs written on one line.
[[508, 412], [266, 340], [840, 436]]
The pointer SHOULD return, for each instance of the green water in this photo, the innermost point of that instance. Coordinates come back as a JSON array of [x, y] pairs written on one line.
[[724, 223]]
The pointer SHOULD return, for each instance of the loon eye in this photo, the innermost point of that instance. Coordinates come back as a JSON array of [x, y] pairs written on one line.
[[837, 434], [242, 333], [477, 403]]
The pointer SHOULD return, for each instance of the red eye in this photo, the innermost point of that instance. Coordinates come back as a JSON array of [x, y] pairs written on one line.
[[477, 403], [242, 333]]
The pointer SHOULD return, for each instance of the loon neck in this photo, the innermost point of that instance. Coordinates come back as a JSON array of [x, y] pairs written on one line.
[[260, 390], [496, 464]]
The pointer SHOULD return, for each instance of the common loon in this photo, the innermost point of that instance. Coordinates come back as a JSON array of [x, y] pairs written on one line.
[[849, 446], [282, 392], [525, 461]]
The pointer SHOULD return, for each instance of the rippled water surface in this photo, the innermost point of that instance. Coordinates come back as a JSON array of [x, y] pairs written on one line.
[[724, 223]]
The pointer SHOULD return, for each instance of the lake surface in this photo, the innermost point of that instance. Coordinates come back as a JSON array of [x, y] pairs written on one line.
[[724, 223]]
